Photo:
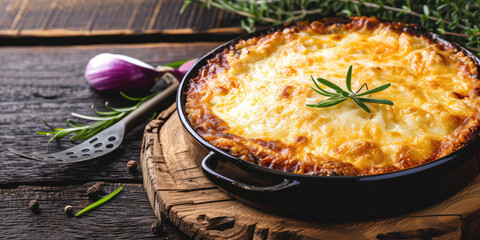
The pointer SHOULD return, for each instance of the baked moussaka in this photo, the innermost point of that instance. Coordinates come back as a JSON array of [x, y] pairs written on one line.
[[254, 99]]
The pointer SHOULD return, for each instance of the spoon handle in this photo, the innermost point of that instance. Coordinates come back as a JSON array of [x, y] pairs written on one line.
[[146, 108]]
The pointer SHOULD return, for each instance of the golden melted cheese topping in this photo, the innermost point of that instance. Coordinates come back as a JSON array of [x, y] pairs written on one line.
[[262, 97]]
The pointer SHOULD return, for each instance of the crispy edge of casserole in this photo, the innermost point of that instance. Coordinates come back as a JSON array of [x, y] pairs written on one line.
[[278, 157]]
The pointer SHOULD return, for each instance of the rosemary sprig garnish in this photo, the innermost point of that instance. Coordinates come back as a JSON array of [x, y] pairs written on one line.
[[99, 202], [341, 95], [104, 119], [459, 20]]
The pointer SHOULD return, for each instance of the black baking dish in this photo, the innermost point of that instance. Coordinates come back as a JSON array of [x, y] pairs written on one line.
[[334, 198]]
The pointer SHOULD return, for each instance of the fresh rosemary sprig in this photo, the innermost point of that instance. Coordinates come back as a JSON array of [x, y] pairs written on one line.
[[341, 95], [99, 202], [103, 121], [458, 19]]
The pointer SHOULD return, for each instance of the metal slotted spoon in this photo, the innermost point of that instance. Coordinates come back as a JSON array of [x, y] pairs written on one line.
[[105, 141]]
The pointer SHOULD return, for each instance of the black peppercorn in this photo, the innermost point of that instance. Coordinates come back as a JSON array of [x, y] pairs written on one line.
[[68, 210], [132, 166], [157, 227], [94, 191], [34, 206]]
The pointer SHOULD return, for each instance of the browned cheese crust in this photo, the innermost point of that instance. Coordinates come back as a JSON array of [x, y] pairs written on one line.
[[416, 130]]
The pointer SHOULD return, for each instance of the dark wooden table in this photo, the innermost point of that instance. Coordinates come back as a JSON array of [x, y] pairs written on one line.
[[44, 48]]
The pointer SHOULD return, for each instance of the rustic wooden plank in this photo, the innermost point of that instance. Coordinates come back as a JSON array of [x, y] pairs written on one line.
[[204, 212], [127, 216], [48, 82], [58, 18]]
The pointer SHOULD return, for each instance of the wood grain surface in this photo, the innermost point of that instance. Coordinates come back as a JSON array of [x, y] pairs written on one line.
[[127, 216], [177, 188], [47, 18], [48, 82]]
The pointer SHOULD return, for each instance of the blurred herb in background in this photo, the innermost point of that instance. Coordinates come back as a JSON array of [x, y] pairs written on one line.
[[459, 20]]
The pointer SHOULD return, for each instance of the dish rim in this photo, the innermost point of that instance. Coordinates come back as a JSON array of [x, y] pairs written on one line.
[[415, 30]]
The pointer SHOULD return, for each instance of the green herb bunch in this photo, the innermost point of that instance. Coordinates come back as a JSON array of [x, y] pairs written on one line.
[[460, 20], [103, 120], [339, 95]]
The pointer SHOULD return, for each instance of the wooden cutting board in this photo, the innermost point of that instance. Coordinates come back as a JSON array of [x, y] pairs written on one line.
[[178, 190]]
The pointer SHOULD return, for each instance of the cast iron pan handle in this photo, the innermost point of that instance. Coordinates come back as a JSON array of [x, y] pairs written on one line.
[[286, 183]]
